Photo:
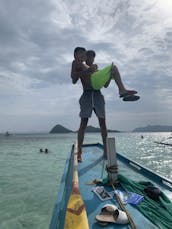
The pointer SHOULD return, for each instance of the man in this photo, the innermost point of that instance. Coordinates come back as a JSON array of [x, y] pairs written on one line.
[[92, 81]]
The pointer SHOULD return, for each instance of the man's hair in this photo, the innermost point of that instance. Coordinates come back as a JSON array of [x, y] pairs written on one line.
[[90, 53], [78, 49]]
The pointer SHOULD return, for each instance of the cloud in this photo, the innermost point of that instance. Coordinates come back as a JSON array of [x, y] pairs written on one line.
[[37, 40]]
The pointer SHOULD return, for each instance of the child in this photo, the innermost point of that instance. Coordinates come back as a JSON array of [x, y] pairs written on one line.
[[103, 77]]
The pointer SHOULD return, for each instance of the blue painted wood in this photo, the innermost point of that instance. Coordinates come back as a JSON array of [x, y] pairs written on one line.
[[91, 169], [58, 217], [141, 169], [166, 183]]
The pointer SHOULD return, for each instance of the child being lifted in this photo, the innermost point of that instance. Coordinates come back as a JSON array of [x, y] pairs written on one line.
[[94, 79]]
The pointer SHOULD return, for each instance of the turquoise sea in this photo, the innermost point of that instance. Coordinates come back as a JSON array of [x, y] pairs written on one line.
[[29, 180]]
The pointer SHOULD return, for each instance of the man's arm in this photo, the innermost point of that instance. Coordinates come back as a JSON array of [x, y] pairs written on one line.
[[75, 75]]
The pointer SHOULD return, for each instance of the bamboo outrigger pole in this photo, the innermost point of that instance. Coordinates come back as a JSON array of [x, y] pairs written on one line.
[[76, 216]]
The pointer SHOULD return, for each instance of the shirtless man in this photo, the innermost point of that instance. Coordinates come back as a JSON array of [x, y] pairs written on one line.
[[92, 99]]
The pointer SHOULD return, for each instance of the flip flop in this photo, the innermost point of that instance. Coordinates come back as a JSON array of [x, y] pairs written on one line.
[[128, 92], [131, 98], [111, 214]]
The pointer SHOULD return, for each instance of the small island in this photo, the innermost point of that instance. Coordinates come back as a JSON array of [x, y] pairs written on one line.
[[92, 129], [59, 129], [153, 128]]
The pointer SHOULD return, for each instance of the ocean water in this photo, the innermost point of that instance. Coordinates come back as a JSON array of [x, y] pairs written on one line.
[[29, 180]]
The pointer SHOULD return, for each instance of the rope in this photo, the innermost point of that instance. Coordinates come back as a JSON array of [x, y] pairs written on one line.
[[158, 212], [103, 165], [112, 171], [112, 168], [133, 226]]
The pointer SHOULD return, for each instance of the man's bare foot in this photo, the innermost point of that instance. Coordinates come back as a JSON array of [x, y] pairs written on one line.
[[79, 158]]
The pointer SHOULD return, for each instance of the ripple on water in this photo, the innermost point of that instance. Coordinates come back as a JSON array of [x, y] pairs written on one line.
[[30, 180]]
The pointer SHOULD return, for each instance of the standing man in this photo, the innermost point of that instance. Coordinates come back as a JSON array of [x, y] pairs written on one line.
[[83, 68]]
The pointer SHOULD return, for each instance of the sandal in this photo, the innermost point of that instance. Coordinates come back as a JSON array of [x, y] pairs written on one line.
[[131, 98], [111, 214]]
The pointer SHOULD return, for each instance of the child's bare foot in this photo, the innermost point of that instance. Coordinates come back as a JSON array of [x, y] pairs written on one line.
[[127, 93]]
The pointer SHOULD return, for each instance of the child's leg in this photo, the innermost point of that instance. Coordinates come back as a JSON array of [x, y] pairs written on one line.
[[81, 131], [117, 77], [103, 77]]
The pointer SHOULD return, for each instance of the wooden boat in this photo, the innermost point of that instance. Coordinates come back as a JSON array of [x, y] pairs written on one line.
[[77, 205]]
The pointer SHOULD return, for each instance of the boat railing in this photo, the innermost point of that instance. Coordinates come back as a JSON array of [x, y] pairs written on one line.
[[141, 169]]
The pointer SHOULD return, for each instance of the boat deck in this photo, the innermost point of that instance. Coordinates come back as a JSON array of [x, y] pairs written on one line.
[[92, 168]]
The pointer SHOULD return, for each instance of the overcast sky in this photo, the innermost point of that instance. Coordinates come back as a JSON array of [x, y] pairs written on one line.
[[37, 39]]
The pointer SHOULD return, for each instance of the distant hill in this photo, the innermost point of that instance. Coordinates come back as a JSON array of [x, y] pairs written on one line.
[[60, 129], [63, 130], [156, 128], [92, 129]]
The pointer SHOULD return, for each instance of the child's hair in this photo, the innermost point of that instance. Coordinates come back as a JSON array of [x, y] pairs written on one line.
[[78, 49], [90, 53]]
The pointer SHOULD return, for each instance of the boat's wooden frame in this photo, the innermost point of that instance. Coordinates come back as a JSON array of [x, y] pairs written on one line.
[[76, 216], [58, 217]]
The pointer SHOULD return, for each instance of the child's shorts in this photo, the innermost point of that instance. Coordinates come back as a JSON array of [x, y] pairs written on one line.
[[92, 100], [100, 78]]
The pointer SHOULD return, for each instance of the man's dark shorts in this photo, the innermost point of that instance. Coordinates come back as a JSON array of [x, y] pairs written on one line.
[[92, 100]]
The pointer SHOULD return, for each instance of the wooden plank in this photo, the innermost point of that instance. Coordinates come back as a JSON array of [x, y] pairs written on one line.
[[112, 161], [58, 216], [76, 216]]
